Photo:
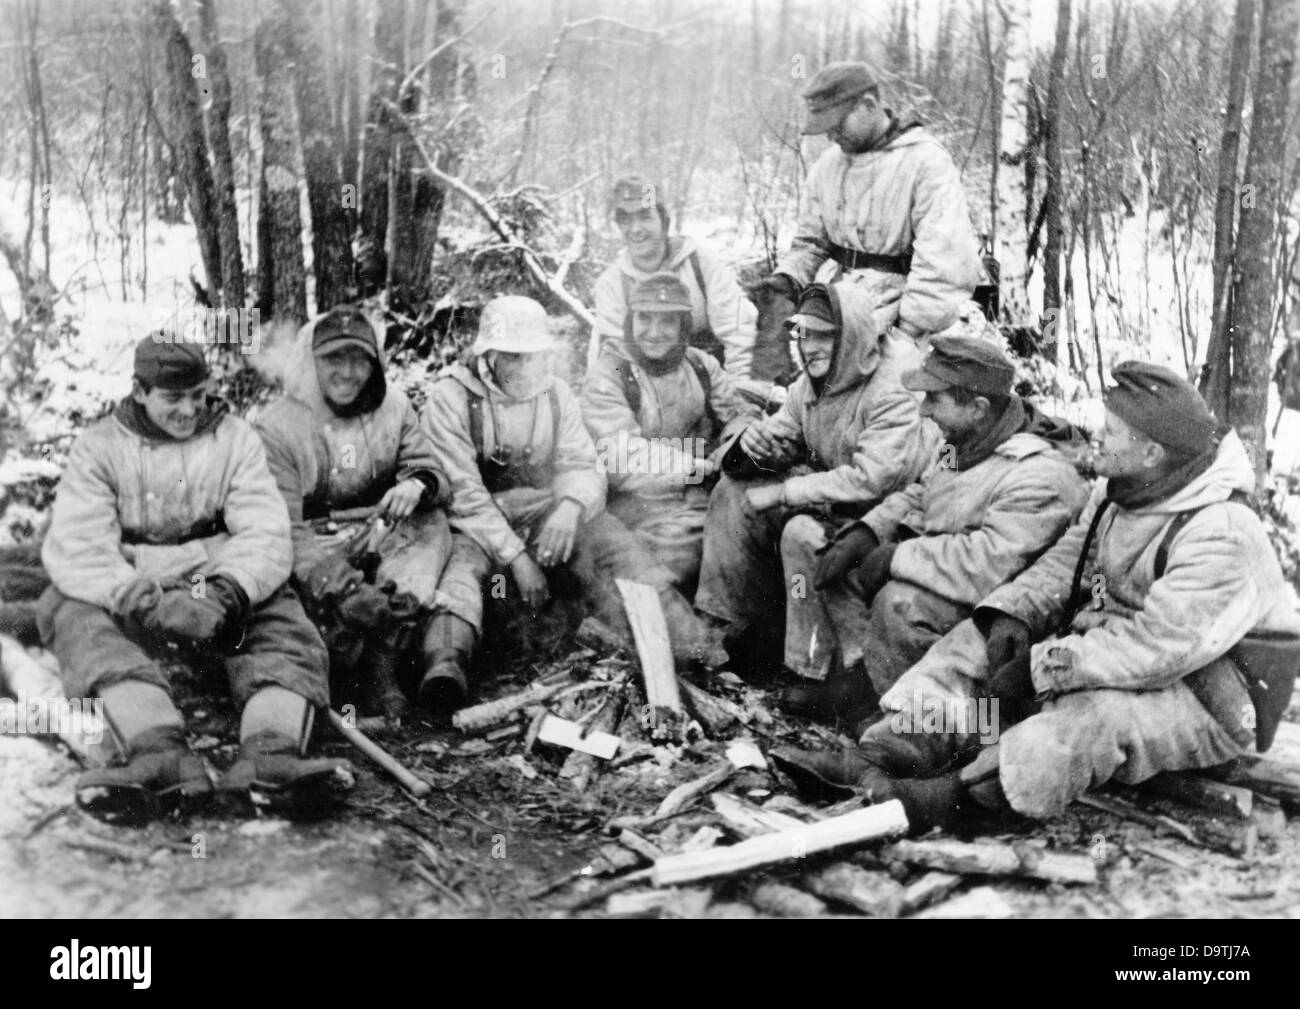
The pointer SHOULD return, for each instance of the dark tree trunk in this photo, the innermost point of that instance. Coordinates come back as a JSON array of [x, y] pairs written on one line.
[[1218, 355], [331, 240], [350, 120], [232, 259], [190, 143], [282, 282], [1256, 293], [1052, 196], [377, 145]]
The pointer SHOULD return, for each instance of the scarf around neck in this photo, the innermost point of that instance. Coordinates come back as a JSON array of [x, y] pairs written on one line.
[[1012, 421]]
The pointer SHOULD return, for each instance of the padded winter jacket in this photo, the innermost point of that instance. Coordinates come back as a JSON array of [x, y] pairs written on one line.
[[862, 436], [509, 427], [672, 411], [323, 462], [720, 306], [132, 505], [977, 528], [1138, 632], [905, 199]]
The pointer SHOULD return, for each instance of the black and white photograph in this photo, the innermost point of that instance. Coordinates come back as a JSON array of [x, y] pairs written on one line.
[[650, 459]]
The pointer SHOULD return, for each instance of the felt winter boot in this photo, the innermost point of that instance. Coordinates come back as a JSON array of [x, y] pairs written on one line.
[[160, 776], [844, 699], [448, 645], [271, 775]]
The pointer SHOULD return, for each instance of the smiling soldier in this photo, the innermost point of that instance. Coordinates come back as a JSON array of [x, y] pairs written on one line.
[[168, 529]]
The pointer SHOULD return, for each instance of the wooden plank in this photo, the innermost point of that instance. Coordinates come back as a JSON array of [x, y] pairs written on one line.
[[863, 825], [562, 732], [685, 903], [1216, 797], [989, 858], [579, 767], [871, 893], [981, 902], [932, 887], [749, 820], [485, 716], [645, 615], [1264, 776], [1268, 817], [1230, 836], [715, 714], [683, 794], [786, 901]]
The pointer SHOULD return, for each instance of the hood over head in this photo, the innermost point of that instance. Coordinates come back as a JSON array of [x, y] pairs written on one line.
[[301, 383]]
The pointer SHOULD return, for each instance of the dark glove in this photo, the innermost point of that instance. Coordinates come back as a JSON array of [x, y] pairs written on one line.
[[332, 575], [182, 618], [1007, 640], [364, 609], [230, 595], [873, 572], [849, 548], [1013, 681]]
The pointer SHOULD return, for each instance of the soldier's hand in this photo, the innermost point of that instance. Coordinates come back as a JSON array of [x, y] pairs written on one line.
[[1008, 640], [874, 571], [402, 500], [558, 534], [181, 617], [530, 580], [756, 443], [846, 551], [763, 496]]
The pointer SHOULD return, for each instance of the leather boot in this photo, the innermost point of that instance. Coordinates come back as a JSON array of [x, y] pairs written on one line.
[[271, 777], [381, 694], [448, 644], [844, 699], [160, 776], [909, 754]]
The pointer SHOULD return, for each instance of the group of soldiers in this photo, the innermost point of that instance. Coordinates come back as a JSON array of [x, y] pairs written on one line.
[[903, 531]]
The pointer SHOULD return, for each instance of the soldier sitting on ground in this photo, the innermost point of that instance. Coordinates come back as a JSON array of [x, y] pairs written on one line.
[[1156, 635], [341, 441], [658, 409], [527, 497], [997, 495], [168, 529]]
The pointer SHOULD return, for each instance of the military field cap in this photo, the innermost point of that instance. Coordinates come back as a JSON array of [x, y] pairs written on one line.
[[1162, 405], [830, 91], [164, 364], [344, 326], [814, 314], [662, 292], [635, 192], [513, 324], [965, 361]]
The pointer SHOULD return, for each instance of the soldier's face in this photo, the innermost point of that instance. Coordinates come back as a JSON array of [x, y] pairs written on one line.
[[176, 411], [1119, 451], [657, 333], [518, 375], [343, 373], [864, 123], [956, 420], [817, 349], [643, 232]]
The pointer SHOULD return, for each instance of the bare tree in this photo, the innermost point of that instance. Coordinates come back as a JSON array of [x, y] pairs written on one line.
[[281, 280], [1218, 356], [232, 259], [1265, 196]]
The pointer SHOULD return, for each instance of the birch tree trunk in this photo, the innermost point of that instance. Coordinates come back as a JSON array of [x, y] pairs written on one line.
[[1053, 195], [1015, 201], [232, 259]]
